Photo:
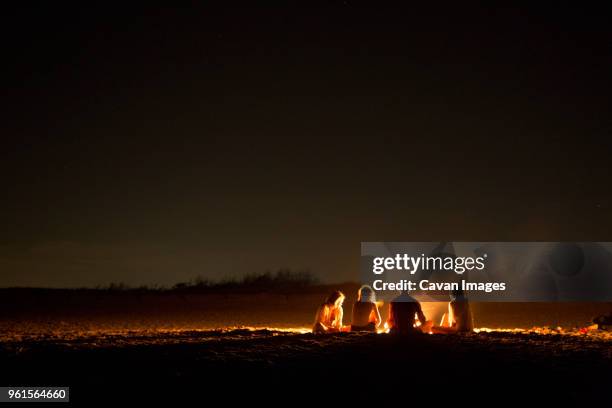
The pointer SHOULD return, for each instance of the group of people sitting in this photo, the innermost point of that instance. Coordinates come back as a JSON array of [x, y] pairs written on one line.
[[405, 314]]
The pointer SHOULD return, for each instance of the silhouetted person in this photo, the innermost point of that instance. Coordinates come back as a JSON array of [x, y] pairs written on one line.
[[459, 315], [462, 313], [403, 311], [366, 316], [603, 322], [329, 315]]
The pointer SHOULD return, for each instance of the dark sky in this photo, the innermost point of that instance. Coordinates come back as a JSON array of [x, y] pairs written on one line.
[[154, 145]]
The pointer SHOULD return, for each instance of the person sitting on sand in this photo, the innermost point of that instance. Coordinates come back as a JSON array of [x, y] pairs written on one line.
[[366, 316], [460, 320], [603, 322], [402, 312], [329, 315], [462, 313]]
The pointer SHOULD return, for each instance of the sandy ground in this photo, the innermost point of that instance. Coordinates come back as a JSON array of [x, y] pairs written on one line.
[[245, 364], [151, 348]]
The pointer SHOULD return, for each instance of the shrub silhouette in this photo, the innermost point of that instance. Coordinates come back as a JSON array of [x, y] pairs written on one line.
[[282, 280]]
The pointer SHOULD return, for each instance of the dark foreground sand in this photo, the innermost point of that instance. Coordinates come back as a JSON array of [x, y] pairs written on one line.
[[153, 346], [262, 366]]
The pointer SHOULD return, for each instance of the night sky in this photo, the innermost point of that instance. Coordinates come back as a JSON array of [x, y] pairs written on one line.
[[150, 146]]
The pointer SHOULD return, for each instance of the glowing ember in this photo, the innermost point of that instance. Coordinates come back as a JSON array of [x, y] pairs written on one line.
[[296, 330]]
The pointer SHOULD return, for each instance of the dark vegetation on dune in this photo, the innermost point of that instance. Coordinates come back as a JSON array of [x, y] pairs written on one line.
[[280, 281], [283, 280]]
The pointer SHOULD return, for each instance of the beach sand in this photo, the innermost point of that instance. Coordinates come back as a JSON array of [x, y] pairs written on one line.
[[255, 348]]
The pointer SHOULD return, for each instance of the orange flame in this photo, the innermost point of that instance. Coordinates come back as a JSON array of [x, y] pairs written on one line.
[[385, 329]]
